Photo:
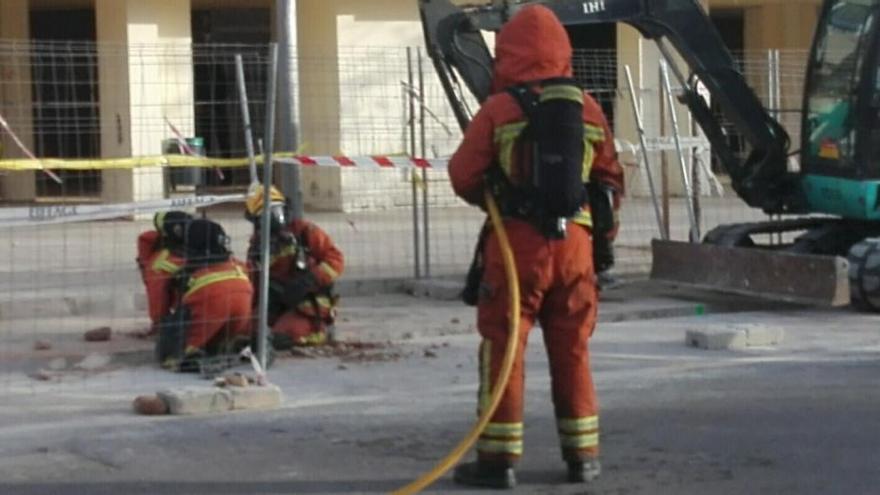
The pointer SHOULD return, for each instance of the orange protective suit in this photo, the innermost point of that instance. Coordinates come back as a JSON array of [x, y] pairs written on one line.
[[305, 324], [158, 266], [219, 298], [557, 280]]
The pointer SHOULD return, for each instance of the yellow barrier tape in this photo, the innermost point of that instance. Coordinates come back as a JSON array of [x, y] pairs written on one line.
[[159, 161]]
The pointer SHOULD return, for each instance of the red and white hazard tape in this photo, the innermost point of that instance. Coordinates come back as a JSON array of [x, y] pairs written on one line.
[[365, 162]]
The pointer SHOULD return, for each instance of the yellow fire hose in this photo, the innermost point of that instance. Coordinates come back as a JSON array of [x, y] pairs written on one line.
[[506, 366]]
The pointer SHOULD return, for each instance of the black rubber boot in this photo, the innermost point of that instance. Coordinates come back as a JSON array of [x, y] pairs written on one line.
[[485, 475], [584, 471]]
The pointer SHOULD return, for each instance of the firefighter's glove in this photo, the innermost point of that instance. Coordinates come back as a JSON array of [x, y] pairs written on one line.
[[299, 288], [602, 208]]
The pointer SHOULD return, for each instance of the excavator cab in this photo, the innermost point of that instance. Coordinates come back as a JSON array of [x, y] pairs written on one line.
[[840, 147]]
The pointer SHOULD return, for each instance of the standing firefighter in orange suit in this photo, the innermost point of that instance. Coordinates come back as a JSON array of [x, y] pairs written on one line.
[[303, 268], [214, 314], [159, 258], [544, 150]]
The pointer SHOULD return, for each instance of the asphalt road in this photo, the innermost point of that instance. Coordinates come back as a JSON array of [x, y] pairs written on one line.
[[796, 418]]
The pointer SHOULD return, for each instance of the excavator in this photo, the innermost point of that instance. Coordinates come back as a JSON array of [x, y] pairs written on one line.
[[828, 206]]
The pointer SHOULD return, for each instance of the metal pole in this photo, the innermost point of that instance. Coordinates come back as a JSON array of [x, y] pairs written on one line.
[[411, 122], [777, 70], [771, 93], [664, 163], [268, 143], [291, 183], [426, 223], [771, 106], [640, 127], [246, 118], [685, 177]]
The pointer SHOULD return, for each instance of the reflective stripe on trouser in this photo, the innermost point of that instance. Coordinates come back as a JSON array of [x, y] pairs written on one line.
[[577, 434], [502, 439], [558, 289]]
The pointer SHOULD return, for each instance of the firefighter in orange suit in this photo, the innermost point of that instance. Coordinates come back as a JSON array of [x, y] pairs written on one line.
[[159, 258], [214, 315], [305, 263], [557, 276]]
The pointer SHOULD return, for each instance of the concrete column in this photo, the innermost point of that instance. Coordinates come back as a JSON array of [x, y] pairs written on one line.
[[146, 75], [16, 97], [111, 22], [319, 103]]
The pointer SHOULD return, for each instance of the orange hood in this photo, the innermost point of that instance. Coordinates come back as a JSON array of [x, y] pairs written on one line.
[[532, 46]]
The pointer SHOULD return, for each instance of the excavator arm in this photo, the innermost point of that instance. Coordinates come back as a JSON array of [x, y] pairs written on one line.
[[761, 179]]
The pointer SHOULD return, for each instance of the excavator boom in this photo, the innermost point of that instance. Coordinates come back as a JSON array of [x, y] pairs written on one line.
[[761, 179]]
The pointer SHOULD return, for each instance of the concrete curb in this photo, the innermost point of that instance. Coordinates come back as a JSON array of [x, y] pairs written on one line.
[[55, 302], [52, 304]]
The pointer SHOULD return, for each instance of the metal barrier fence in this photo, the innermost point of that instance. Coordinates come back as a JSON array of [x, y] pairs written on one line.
[[118, 116]]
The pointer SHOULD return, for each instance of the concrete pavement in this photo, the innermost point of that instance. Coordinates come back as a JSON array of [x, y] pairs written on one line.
[[798, 418]]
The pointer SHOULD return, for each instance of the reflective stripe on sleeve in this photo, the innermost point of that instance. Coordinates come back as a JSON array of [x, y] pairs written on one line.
[[583, 217], [163, 263]]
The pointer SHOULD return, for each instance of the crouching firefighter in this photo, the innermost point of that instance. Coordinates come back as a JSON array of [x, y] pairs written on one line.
[[304, 264], [543, 148], [213, 317], [159, 258]]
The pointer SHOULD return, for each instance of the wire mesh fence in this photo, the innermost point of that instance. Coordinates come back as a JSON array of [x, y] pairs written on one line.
[[117, 117]]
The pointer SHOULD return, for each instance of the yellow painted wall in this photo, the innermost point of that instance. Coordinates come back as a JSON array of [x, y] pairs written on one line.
[[780, 25]]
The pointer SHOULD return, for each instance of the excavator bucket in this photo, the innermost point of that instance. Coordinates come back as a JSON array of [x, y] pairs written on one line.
[[788, 277]]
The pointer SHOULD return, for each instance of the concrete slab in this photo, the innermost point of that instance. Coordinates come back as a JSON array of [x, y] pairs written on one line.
[[256, 397], [734, 336], [212, 400], [197, 400]]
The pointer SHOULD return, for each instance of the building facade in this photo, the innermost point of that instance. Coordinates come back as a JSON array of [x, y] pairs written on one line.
[[135, 68]]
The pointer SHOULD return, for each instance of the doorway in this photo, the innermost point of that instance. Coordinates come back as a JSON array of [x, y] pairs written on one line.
[[218, 35], [64, 79]]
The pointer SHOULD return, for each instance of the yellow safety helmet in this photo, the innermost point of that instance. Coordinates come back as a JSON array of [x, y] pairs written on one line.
[[255, 199], [277, 207]]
